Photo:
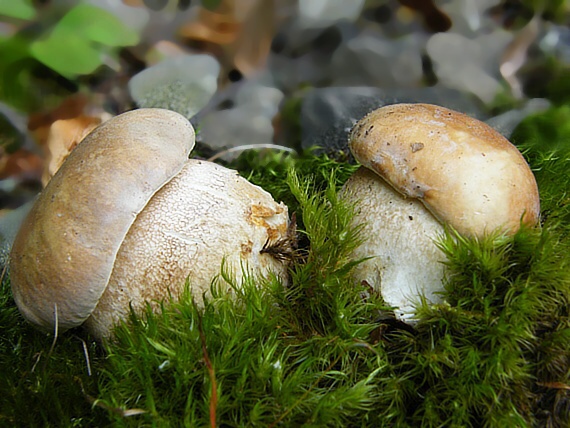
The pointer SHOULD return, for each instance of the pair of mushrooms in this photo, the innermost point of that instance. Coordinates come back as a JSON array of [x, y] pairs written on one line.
[[129, 218]]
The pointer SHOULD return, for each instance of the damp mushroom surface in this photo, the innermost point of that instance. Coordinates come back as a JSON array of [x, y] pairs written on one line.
[[128, 219], [426, 168]]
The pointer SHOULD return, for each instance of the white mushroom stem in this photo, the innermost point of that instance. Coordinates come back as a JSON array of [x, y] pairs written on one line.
[[404, 261]]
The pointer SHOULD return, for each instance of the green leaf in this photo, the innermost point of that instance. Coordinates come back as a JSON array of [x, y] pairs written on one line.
[[78, 42], [96, 25], [67, 55], [211, 4], [20, 9], [27, 84]]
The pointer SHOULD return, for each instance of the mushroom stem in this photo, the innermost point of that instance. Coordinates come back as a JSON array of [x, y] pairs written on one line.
[[403, 261]]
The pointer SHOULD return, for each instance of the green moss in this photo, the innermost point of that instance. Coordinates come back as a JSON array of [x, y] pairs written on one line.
[[321, 350], [41, 384], [269, 169], [545, 140]]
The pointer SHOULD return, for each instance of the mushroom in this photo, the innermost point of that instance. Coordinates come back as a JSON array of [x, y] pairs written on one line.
[[129, 218], [425, 168]]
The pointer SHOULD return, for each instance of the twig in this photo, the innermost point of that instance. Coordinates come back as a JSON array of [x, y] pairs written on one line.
[[250, 147], [125, 413], [3, 273], [38, 358], [86, 353], [554, 385], [211, 374], [52, 347], [55, 330]]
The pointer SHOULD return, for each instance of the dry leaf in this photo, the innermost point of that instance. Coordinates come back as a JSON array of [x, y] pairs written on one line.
[[554, 385], [134, 3], [40, 123], [219, 27], [243, 29], [161, 50], [434, 19], [21, 164], [64, 136], [251, 48], [515, 55]]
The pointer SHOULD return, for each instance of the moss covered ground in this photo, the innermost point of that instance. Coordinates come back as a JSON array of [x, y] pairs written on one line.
[[324, 351]]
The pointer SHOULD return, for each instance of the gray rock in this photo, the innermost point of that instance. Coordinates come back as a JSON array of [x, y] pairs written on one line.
[[182, 83], [9, 226], [328, 114], [378, 61], [249, 121], [302, 56], [556, 42], [319, 13], [14, 130], [468, 16], [469, 64], [230, 128]]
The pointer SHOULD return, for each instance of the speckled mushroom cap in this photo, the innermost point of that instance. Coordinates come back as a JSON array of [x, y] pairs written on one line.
[[204, 217], [63, 256], [467, 174]]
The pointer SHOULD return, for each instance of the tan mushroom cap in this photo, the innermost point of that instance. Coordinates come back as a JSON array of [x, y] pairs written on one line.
[[63, 256], [466, 173]]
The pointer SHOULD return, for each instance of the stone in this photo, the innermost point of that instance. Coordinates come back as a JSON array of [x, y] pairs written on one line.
[[378, 61], [184, 84], [248, 121], [320, 13], [468, 16], [9, 226], [556, 42], [470, 65], [506, 123]]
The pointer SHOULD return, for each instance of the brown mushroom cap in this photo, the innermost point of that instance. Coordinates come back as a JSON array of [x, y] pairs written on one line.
[[63, 256], [467, 174]]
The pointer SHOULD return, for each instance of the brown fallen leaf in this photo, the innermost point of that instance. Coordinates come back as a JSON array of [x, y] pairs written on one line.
[[21, 165], [64, 135], [434, 19], [239, 31], [39, 123], [515, 55], [219, 26], [134, 3], [252, 46], [554, 385]]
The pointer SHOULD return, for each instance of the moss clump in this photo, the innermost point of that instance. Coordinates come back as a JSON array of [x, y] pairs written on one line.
[[321, 350]]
